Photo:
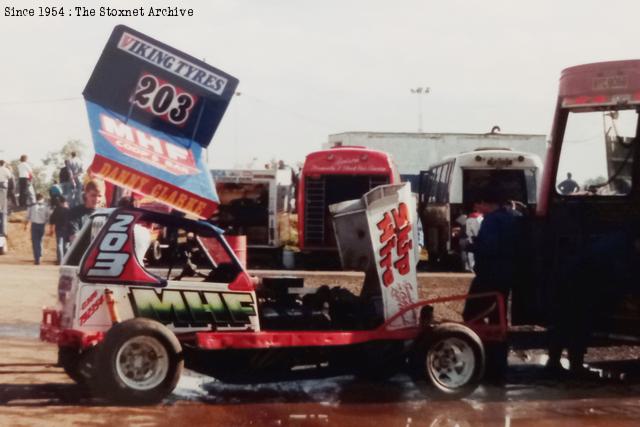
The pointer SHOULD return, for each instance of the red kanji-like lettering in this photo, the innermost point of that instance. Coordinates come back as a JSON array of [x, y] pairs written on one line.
[[385, 225], [395, 232]]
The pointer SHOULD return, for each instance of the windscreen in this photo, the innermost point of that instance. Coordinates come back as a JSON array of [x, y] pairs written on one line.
[[513, 184], [597, 153]]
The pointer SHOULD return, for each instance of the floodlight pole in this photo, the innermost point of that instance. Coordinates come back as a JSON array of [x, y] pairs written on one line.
[[419, 91]]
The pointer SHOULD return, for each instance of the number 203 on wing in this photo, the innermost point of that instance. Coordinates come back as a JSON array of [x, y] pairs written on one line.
[[163, 99]]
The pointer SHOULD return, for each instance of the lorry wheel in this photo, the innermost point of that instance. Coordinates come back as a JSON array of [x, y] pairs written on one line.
[[139, 362], [78, 365], [496, 355], [448, 360]]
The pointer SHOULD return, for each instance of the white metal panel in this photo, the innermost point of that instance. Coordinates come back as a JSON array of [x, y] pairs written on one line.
[[413, 152]]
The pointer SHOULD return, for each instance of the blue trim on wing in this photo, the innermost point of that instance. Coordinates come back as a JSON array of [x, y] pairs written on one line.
[[199, 183]]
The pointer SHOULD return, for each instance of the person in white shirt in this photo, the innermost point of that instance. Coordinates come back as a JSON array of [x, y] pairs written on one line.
[[472, 228], [5, 177], [25, 173], [38, 217], [5, 174]]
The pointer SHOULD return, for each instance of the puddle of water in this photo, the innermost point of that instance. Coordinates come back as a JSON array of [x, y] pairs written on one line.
[[324, 391], [191, 386], [19, 330], [525, 380]]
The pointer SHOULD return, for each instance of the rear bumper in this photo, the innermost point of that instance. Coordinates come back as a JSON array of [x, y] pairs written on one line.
[[52, 332]]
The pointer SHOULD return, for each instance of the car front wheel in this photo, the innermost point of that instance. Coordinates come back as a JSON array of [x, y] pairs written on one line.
[[448, 359]]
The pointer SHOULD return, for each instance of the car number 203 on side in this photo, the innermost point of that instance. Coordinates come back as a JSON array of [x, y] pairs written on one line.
[[111, 258]]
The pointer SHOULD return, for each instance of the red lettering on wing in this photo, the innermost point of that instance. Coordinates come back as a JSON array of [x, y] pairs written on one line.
[[126, 40]]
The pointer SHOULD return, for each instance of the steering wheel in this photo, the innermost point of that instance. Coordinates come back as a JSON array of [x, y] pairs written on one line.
[[223, 273], [189, 269]]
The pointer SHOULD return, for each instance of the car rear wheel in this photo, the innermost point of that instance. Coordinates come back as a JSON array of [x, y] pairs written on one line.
[[77, 364], [139, 362], [448, 360]]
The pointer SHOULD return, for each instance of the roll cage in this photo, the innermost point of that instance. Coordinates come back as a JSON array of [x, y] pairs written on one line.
[[116, 255]]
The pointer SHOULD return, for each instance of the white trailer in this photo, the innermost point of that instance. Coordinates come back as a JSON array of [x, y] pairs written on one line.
[[253, 203]]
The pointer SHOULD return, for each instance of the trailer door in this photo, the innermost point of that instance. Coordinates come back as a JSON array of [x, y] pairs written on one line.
[[434, 210]]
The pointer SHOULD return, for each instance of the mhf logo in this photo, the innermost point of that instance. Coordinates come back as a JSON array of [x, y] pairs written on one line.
[[147, 148]]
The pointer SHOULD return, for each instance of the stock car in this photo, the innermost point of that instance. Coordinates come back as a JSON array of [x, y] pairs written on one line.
[[126, 331]]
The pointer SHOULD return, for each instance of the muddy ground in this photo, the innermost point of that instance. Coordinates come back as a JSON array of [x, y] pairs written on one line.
[[33, 391]]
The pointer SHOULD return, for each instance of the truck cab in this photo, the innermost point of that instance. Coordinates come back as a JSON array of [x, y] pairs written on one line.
[[583, 238], [333, 176]]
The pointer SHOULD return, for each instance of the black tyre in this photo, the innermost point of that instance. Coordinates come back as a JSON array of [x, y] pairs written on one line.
[[381, 361], [77, 364], [139, 362], [448, 361]]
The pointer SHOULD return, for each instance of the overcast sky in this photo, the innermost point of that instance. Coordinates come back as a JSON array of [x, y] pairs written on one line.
[[308, 69]]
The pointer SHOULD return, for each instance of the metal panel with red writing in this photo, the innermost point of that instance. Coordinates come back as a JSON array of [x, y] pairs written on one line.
[[377, 233], [391, 216]]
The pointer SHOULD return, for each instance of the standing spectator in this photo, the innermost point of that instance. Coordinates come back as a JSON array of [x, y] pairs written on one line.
[[25, 174], [11, 193], [591, 284], [55, 193], [568, 186], [78, 215], [472, 228], [5, 174], [59, 221], [496, 254], [67, 184], [75, 168], [38, 216], [5, 177]]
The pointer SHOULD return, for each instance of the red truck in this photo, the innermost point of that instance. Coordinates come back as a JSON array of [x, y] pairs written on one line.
[[332, 176], [581, 248]]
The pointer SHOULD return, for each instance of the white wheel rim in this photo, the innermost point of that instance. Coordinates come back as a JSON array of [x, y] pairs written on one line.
[[451, 362], [142, 363]]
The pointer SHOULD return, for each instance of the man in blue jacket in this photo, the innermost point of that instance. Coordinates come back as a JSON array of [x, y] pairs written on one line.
[[496, 253]]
